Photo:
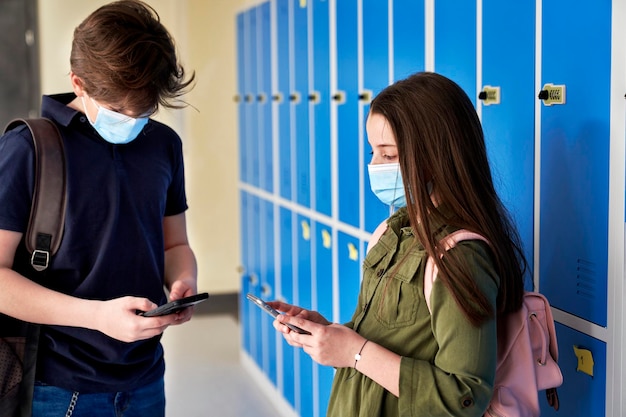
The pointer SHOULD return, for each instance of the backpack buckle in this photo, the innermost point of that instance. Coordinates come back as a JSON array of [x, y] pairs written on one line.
[[40, 259]]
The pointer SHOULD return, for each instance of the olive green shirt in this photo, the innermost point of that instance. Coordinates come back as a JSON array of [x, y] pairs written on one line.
[[448, 366]]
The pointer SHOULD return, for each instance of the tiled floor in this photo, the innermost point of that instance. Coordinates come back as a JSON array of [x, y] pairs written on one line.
[[204, 376]]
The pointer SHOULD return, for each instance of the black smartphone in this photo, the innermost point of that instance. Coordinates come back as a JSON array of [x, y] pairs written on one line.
[[272, 312], [175, 306]]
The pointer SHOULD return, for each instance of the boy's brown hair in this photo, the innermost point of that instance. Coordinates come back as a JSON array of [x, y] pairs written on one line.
[[125, 57]]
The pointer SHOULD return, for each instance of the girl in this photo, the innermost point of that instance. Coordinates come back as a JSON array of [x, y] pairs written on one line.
[[396, 358]]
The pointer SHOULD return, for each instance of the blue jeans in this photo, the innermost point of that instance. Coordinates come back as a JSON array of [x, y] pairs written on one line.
[[147, 401]]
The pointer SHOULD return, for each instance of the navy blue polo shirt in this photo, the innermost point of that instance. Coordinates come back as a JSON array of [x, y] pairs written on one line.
[[117, 197]]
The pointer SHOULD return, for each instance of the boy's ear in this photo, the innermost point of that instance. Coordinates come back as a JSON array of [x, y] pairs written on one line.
[[77, 84]]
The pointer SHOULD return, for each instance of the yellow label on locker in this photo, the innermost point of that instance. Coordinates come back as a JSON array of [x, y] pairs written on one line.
[[492, 95], [552, 94], [303, 3], [326, 240], [585, 360], [353, 252], [306, 230]]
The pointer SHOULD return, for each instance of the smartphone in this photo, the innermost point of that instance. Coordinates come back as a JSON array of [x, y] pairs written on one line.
[[175, 306], [272, 312]]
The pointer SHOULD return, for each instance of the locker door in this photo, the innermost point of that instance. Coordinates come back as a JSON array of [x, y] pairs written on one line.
[[375, 32], [323, 302], [304, 299], [408, 38], [264, 89], [508, 74], [455, 42], [282, 97], [299, 99], [252, 236], [252, 130], [582, 394], [242, 88], [348, 127], [287, 256], [319, 99], [245, 311], [575, 157], [349, 275], [267, 268]]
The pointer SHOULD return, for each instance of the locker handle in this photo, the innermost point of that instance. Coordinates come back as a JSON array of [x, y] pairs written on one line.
[[552, 94], [294, 97], [266, 290], [366, 96], [248, 98], [278, 97], [339, 97], [314, 96], [261, 98], [489, 95], [237, 98], [253, 279]]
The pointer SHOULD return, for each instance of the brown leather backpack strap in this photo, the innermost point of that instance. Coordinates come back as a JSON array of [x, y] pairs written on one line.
[[47, 216]]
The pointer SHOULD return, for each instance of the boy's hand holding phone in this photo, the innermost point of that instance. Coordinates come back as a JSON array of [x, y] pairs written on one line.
[[175, 306]]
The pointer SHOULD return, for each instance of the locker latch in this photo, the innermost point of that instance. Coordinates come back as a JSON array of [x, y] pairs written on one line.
[[552, 94], [366, 96], [490, 95]]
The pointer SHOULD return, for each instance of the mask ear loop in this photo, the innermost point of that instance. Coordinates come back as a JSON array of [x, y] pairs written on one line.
[[85, 108], [392, 208]]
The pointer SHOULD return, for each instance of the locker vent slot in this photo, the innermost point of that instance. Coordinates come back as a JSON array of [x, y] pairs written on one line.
[[586, 281]]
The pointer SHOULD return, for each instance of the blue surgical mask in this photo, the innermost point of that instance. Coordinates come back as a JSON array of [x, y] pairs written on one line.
[[386, 183], [114, 127]]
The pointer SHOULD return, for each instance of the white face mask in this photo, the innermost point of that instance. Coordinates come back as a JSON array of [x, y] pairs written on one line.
[[114, 127]]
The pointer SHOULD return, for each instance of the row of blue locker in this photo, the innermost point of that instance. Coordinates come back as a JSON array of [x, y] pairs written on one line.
[[295, 261], [302, 133], [307, 70]]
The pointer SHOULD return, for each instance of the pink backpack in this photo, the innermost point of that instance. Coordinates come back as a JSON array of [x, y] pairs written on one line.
[[527, 349]]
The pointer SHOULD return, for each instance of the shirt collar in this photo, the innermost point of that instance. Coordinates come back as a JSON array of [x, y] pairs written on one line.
[[55, 107]]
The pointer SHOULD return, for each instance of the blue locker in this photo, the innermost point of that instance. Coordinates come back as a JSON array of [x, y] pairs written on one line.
[[408, 38], [299, 99], [375, 78], [582, 394], [252, 115], [509, 65], [253, 235], [349, 275], [347, 112], [285, 147], [242, 88], [323, 302], [455, 42], [244, 308], [267, 268], [319, 99], [304, 362], [287, 230], [576, 53], [263, 71]]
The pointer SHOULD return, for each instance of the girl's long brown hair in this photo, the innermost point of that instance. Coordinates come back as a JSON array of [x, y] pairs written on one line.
[[440, 139]]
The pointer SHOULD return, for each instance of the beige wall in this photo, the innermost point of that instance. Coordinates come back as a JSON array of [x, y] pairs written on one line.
[[204, 31]]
